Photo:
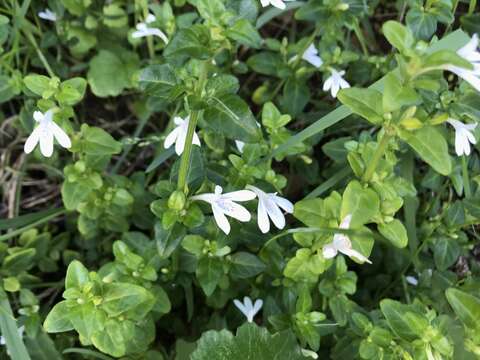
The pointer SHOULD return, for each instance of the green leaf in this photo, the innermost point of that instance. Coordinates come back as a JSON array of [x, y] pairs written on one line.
[[168, 240], [245, 265], [38, 84], [446, 57], [111, 72], [445, 252], [19, 261], [131, 300], [111, 340], [396, 95], [159, 81], [9, 328], [250, 342], [364, 102], [296, 96], [58, 319], [97, 142], [422, 23], [395, 232], [431, 146], [398, 35], [466, 306], [71, 91], [232, 117], [362, 203], [209, 272], [190, 42], [394, 313], [77, 275], [244, 33]]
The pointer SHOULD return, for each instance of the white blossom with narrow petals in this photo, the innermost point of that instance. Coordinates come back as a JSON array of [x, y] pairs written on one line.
[[311, 56], [463, 136], [224, 205], [335, 82], [412, 280], [309, 353], [280, 4], [341, 243], [269, 208], [470, 53], [179, 134], [47, 14], [248, 308], [45, 132], [143, 30]]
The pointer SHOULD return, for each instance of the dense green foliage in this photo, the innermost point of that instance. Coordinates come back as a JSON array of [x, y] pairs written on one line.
[[162, 160]]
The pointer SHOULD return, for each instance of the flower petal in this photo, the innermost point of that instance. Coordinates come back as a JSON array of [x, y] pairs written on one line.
[[38, 116], [210, 198], [355, 254], [180, 142], [235, 211], [171, 138], [278, 4], [248, 303], [196, 139], [240, 307], [274, 213], [257, 306], [241, 195], [60, 135], [262, 218], [46, 143], [285, 204], [329, 251], [220, 218], [32, 140]]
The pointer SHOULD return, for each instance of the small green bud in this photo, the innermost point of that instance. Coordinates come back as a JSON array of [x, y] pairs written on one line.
[[343, 7], [177, 200]]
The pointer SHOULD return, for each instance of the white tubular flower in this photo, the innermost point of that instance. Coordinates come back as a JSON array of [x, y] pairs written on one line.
[[144, 30], [223, 204], [240, 145], [341, 243], [44, 133], [248, 308], [20, 330], [311, 56], [178, 135], [47, 14], [470, 53], [335, 82], [280, 4], [269, 207], [463, 136]]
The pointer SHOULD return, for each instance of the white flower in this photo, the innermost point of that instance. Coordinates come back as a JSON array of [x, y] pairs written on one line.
[[311, 56], [411, 280], [144, 30], [470, 53], [309, 353], [20, 330], [47, 14], [223, 204], [240, 145], [269, 206], [248, 308], [341, 243], [463, 136], [44, 133], [335, 82], [179, 134], [277, 3]]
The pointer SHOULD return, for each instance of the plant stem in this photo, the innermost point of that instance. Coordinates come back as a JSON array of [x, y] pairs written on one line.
[[465, 177], [472, 6], [360, 37], [376, 157], [187, 151], [44, 61]]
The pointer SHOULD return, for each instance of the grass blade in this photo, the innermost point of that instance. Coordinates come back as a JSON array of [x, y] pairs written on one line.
[[25, 220], [160, 159], [9, 327], [331, 182]]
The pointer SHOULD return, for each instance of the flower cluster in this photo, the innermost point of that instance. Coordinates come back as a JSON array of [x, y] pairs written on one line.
[[269, 205]]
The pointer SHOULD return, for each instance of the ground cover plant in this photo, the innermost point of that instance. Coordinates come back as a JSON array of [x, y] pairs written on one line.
[[239, 179]]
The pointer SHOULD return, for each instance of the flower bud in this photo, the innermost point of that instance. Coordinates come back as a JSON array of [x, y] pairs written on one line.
[[177, 200]]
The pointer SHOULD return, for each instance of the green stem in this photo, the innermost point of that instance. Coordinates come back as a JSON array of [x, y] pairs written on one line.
[[466, 178], [360, 37], [187, 151], [151, 49], [376, 158], [471, 8], [44, 61]]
